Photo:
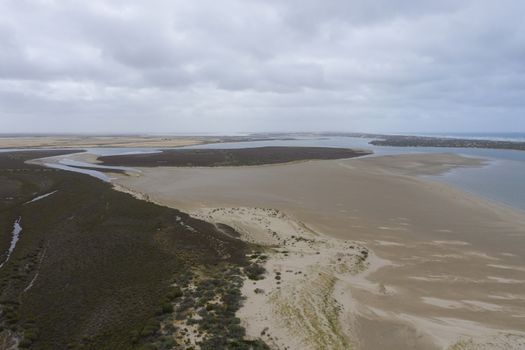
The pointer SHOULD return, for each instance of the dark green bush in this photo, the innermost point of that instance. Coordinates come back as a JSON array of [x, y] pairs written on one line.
[[254, 272], [25, 343], [151, 328], [175, 293]]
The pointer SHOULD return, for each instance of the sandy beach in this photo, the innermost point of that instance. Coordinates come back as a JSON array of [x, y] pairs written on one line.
[[369, 254]]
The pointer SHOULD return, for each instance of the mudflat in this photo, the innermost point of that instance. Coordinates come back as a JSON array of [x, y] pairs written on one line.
[[443, 269]]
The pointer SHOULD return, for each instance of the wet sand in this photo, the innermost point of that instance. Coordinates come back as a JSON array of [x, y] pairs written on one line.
[[453, 271]]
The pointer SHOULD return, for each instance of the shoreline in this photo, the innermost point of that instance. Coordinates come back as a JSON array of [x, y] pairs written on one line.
[[283, 307], [456, 178], [276, 311], [368, 303], [411, 236]]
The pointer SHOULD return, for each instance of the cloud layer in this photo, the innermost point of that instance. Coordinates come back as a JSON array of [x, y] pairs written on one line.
[[254, 65]]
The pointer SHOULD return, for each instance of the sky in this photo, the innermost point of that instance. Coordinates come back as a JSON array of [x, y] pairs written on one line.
[[172, 66]]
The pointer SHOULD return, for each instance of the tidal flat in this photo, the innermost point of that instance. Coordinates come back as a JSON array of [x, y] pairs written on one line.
[[267, 253], [428, 280]]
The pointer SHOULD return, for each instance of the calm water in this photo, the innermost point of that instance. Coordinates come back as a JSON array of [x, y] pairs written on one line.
[[501, 136], [502, 180]]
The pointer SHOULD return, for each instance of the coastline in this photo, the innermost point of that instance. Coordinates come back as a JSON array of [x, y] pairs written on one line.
[[495, 182], [379, 209]]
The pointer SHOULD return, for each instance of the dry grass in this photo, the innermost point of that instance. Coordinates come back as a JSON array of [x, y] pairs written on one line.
[[310, 311]]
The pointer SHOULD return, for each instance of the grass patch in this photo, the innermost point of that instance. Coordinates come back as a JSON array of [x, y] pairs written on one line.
[[312, 313]]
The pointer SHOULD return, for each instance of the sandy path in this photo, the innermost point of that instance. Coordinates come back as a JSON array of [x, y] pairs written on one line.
[[444, 285]]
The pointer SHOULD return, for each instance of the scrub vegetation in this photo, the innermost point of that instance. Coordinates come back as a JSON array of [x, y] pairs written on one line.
[[98, 269], [230, 157]]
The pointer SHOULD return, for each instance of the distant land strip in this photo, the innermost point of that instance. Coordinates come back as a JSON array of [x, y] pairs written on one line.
[[231, 157], [420, 141], [430, 141]]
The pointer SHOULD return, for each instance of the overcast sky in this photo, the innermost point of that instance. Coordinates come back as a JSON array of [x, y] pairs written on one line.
[[254, 65]]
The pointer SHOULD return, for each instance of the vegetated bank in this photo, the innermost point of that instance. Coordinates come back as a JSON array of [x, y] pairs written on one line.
[[424, 141], [95, 268], [230, 157]]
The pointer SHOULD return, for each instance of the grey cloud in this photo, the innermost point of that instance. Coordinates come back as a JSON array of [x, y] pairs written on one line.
[[269, 65]]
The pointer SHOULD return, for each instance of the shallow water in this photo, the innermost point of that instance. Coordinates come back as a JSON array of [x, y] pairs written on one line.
[[99, 175], [501, 180], [17, 228], [77, 163], [99, 151], [108, 151], [363, 143]]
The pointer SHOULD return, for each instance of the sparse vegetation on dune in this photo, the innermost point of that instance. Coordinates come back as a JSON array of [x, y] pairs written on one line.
[[107, 270], [295, 305], [312, 312], [205, 313]]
